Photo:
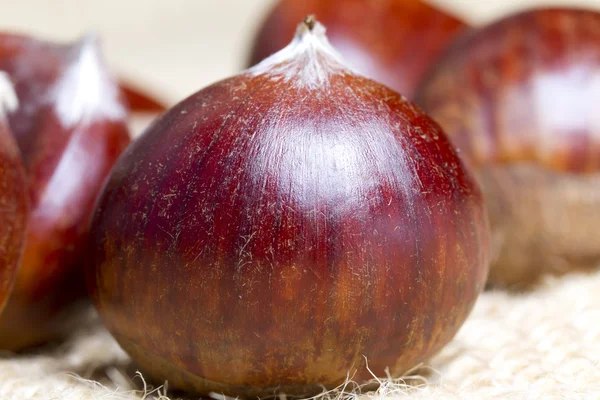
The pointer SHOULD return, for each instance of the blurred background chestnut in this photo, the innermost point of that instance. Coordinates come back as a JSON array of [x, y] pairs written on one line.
[[519, 98], [70, 127], [13, 195], [391, 41]]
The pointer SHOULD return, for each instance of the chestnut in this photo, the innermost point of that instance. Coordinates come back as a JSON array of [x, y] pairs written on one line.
[[272, 231], [518, 98], [70, 127], [13, 196], [391, 41]]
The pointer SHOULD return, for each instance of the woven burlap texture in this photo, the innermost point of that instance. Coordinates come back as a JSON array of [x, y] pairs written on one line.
[[542, 344]]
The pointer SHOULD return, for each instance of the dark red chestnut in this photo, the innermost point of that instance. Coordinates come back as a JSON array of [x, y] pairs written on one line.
[[391, 41], [70, 127], [519, 99], [13, 196], [274, 230]]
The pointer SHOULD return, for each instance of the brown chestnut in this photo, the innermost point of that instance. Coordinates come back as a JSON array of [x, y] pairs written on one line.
[[70, 127], [391, 41], [13, 196], [270, 232], [518, 98]]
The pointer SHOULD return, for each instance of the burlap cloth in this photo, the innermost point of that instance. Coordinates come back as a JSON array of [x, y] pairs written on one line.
[[541, 344]]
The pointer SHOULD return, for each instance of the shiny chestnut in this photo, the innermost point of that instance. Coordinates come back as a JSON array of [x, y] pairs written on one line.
[[70, 127], [279, 229], [518, 98]]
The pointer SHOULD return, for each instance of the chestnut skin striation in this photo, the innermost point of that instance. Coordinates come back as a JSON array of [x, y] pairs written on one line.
[[519, 99], [392, 41], [70, 127], [13, 196], [273, 230]]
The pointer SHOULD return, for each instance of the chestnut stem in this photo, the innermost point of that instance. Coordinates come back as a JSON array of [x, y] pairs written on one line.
[[310, 21]]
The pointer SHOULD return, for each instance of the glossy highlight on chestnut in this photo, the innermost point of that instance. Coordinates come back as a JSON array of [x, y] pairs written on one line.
[[273, 230], [518, 98]]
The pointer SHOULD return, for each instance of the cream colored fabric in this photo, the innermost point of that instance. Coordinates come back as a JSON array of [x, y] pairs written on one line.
[[544, 344]]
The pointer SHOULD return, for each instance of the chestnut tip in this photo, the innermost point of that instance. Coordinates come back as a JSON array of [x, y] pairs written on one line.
[[310, 25], [86, 91], [310, 21], [87, 50], [89, 40]]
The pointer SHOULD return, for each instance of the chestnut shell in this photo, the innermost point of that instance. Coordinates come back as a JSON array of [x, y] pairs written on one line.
[[65, 165], [268, 235], [13, 211], [518, 98], [392, 41]]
